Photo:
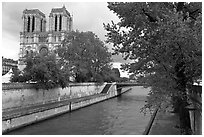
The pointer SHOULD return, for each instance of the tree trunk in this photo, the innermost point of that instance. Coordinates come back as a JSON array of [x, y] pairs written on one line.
[[180, 99]]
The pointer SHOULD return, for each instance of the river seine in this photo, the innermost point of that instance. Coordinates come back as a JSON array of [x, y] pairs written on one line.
[[116, 116]]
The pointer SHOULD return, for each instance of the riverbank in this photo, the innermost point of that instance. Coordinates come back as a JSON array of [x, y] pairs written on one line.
[[116, 116], [19, 117]]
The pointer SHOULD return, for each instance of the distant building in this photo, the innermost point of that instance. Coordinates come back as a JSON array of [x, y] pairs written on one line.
[[36, 39], [116, 72], [8, 64]]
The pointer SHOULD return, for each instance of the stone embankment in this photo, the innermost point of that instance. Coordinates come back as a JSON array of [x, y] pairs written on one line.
[[29, 108]]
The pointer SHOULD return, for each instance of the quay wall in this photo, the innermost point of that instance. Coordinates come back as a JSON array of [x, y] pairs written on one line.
[[195, 109], [13, 122], [13, 96]]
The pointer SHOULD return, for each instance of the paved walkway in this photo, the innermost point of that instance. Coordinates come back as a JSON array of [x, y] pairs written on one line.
[[165, 123], [7, 114]]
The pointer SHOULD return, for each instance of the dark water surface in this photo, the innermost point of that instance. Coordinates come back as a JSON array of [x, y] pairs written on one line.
[[117, 116]]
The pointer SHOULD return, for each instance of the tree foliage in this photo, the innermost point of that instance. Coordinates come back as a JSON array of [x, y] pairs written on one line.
[[17, 76], [43, 70], [86, 55], [164, 41]]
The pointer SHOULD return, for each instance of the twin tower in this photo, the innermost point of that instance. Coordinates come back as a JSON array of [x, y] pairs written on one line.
[[35, 38]]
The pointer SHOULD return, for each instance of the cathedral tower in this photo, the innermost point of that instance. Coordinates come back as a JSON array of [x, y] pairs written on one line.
[[60, 23], [35, 39], [60, 20]]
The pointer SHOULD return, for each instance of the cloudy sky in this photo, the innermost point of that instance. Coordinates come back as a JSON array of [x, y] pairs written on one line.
[[87, 16]]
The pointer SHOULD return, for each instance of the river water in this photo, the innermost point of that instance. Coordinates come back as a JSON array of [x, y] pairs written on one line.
[[116, 116]]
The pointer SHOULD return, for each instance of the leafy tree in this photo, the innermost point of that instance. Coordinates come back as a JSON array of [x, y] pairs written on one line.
[[132, 77], [124, 79], [17, 76], [164, 42], [43, 70], [86, 55]]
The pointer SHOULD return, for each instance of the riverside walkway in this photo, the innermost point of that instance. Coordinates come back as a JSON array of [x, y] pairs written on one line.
[[12, 113], [165, 123]]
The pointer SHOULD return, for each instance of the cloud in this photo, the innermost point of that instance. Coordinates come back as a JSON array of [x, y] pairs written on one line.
[[11, 49]]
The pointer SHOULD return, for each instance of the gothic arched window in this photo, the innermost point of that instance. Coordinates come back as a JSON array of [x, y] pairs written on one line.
[[60, 22], [56, 23], [33, 24], [41, 25], [28, 26], [27, 52]]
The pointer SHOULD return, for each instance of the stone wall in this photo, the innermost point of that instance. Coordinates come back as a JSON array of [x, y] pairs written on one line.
[[195, 109], [21, 96], [21, 119]]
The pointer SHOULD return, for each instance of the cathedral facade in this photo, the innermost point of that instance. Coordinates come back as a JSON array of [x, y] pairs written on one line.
[[35, 38]]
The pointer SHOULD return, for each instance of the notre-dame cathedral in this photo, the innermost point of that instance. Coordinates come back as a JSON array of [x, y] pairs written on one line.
[[35, 38]]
